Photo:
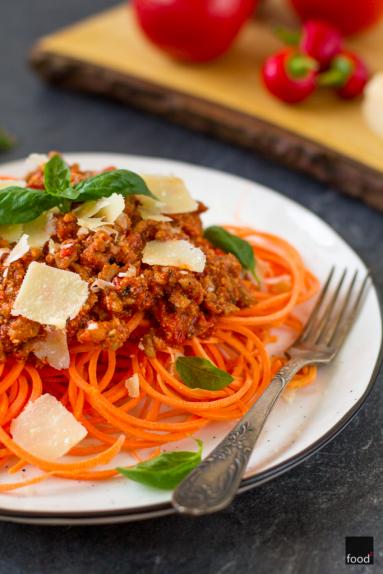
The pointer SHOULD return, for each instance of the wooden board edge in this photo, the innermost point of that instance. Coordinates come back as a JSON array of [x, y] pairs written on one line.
[[271, 141]]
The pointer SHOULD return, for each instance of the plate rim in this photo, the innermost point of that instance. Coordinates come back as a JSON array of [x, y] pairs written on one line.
[[165, 508]]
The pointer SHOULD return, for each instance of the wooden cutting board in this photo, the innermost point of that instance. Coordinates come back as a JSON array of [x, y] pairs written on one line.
[[325, 137]]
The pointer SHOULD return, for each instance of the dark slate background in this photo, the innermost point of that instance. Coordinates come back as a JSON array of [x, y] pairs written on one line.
[[298, 522]]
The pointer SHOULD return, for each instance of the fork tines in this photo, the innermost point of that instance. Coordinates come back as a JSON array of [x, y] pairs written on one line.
[[335, 310]]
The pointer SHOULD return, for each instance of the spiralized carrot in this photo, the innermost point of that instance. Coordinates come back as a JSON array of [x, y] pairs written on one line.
[[94, 390]]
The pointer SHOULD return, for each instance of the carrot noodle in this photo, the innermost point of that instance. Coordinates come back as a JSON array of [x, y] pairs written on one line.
[[94, 390]]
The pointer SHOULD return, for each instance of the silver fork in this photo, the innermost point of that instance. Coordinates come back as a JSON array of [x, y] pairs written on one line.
[[212, 485]]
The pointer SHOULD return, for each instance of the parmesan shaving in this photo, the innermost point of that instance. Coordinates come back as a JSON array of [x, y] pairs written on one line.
[[104, 211], [19, 250], [11, 233], [100, 284], [45, 428], [38, 231], [171, 193], [53, 349], [90, 208], [133, 386], [130, 272], [112, 209], [36, 159], [50, 296], [153, 214], [51, 247], [12, 183], [174, 253], [123, 221], [91, 223], [82, 232]]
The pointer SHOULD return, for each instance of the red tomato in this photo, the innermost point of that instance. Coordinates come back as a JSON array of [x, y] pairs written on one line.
[[349, 16], [194, 30]]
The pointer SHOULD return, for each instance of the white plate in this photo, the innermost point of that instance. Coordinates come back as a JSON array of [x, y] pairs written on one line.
[[300, 424]]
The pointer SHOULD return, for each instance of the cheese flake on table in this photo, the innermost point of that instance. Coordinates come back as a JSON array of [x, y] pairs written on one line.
[[50, 296], [45, 428], [53, 349], [174, 253]]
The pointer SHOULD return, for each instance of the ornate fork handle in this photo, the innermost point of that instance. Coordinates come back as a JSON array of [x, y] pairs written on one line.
[[213, 484]]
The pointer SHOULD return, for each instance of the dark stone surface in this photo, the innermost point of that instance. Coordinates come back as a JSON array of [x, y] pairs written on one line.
[[294, 524]]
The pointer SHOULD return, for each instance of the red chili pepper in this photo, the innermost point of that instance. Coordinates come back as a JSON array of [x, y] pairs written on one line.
[[320, 41], [290, 76], [193, 30], [348, 74]]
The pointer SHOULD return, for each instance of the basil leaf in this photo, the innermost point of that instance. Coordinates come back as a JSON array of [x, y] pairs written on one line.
[[166, 470], [199, 373], [219, 237], [57, 178], [21, 204], [105, 184]]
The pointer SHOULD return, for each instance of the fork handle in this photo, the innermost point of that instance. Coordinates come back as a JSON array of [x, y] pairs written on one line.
[[212, 485]]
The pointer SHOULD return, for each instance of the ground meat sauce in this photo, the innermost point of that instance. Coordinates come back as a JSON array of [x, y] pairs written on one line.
[[177, 303]]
